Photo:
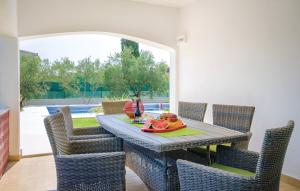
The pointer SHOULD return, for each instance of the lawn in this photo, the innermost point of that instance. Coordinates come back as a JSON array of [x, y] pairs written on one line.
[[85, 122]]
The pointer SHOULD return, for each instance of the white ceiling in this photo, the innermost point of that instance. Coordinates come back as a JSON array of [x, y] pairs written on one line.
[[169, 3]]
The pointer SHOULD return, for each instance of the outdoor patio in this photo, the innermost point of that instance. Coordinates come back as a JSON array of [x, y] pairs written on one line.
[[228, 70], [17, 177], [34, 138]]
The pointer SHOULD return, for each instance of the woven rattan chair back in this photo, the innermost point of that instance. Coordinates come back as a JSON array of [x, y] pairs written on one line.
[[57, 134], [50, 135], [234, 117], [67, 119], [272, 155], [194, 111], [113, 107]]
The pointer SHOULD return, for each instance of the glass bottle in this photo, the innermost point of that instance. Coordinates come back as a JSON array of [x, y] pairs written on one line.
[[137, 112]]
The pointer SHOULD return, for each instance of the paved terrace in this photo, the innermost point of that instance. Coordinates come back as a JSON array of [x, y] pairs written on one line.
[[34, 139]]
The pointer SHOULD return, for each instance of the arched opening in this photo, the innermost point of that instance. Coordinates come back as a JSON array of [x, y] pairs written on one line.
[[32, 132]]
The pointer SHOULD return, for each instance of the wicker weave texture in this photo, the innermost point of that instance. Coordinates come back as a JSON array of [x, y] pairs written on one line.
[[68, 119], [153, 157], [234, 117], [80, 133], [130, 133], [102, 171], [113, 107], [267, 166], [158, 173], [195, 111], [89, 164]]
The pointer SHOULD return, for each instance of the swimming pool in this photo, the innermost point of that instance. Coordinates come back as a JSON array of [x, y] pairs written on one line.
[[81, 109]]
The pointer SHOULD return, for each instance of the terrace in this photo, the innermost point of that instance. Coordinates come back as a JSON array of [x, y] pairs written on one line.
[[34, 140], [228, 53]]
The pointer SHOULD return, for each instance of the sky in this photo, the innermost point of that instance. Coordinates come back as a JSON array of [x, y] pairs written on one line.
[[77, 47]]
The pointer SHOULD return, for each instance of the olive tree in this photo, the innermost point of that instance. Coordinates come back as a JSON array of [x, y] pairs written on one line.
[[125, 73], [32, 80]]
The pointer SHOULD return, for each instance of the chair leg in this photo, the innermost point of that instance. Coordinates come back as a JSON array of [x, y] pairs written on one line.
[[208, 155]]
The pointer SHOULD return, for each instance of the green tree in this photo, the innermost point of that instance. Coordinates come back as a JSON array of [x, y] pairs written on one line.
[[31, 77], [114, 77], [46, 70], [126, 74], [90, 75], [97, 81], [63, 71], [134, 46]]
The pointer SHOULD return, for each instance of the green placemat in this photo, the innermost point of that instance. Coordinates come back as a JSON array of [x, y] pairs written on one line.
[[181, 132], [177, 133]]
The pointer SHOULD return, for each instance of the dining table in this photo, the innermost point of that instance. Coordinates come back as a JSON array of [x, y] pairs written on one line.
[[152, 156]]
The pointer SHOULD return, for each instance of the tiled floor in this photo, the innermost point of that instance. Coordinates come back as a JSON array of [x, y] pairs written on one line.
[[34, 139], [38, 174]]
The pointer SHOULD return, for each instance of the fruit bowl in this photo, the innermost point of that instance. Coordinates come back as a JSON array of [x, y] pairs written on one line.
[[169, 116]]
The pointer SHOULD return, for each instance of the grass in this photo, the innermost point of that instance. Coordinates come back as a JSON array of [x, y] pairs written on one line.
[[85, 122]]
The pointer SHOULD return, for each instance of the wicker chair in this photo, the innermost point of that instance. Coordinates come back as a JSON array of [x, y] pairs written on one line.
[[81, 133], [195, 111], [233, 117], [93, 164], [267, 166], [113, 107]]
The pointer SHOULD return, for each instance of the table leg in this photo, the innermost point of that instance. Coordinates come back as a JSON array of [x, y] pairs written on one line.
[[165, 161]]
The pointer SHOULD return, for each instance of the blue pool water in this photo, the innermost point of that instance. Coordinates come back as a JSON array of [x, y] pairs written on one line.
[[86, 108]]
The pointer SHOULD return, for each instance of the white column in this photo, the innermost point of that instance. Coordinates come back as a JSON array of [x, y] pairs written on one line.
[[9, 71], [173, 82]]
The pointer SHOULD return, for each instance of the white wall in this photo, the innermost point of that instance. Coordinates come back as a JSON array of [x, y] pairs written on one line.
[[9, 69], [150, 22], [248, 53], [8, 17]]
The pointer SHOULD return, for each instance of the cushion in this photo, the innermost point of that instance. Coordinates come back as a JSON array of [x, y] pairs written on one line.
[[213, 148], [232, 169]]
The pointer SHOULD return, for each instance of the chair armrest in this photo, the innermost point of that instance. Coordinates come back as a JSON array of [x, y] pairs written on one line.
[[82, 137], [89, 131], [96, 145], [102, 171], [243, 159], [194, 177]]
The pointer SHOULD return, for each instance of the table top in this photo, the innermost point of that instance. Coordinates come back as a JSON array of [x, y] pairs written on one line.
[[213, 134]]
